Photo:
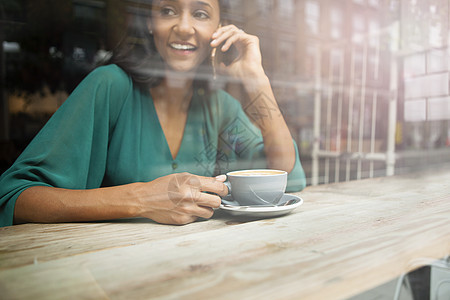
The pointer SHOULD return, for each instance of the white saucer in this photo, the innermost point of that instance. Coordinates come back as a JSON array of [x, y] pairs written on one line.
[[286, 204]]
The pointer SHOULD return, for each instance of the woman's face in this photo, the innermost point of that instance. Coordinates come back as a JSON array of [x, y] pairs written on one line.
[[182, 31]]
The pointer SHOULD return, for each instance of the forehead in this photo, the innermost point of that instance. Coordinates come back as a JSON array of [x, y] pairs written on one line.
[[212, 3]]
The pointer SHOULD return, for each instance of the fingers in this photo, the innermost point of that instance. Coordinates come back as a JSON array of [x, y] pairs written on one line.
[[195, 196], [202, 207], [213, 185], [204, 212], [228, 34], [221, 178], [229, 29], [198, 189], [202, 187], [208, 200], [190, 215]]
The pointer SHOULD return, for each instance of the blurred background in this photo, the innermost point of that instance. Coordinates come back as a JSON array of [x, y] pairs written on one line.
[[363, 84]]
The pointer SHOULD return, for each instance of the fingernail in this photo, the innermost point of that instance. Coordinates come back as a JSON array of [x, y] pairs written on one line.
[[221, 177]]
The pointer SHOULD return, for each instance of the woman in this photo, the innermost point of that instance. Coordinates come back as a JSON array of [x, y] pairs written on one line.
[[144, 135]]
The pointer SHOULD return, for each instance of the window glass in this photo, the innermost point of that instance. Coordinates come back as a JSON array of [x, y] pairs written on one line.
[[312, 16], [286, 8], [336, 21], [363, 51]]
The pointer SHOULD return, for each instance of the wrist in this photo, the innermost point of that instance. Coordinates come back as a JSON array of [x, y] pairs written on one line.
[[133, 199], [255, 79]]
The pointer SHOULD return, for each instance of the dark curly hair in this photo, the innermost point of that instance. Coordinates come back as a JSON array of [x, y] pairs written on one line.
[[136, 54]]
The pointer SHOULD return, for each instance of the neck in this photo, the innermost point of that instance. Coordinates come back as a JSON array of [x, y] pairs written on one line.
[[173, 92]]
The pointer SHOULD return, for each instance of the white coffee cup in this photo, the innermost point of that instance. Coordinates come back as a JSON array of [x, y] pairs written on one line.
[[261, 187]]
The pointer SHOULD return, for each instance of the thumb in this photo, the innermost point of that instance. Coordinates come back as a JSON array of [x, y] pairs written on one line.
[[221, 178]]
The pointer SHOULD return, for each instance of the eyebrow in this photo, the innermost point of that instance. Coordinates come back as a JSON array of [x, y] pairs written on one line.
[[202, 3]]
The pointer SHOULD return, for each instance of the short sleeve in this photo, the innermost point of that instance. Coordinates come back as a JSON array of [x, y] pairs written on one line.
[[71, 149]]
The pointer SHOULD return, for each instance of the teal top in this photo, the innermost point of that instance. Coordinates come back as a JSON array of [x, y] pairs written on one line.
[[107, 133]]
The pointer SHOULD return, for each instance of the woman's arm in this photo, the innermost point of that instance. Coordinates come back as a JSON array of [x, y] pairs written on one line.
[[263, 110], [173, 199], [44, 204], [261, 106]]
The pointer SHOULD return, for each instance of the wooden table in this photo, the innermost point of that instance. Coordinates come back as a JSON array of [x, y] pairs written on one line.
[[346, 238]]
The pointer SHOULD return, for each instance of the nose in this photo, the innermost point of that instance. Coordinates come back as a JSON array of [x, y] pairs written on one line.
[[185, 25]]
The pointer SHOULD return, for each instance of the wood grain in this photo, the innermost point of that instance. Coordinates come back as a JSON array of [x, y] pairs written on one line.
[[346, 238]]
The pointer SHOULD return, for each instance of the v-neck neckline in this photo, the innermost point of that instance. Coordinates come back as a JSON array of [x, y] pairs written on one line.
[[187, 126]]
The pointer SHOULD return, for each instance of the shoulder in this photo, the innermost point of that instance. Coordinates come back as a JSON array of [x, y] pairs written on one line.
[[111, 75], [106, 88], [111, 71], [106, 85]]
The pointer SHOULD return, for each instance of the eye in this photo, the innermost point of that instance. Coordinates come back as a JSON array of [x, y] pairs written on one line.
[[200, 14], [167, 11]]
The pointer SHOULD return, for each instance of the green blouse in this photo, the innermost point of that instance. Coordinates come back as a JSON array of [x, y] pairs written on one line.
[[107, 133]]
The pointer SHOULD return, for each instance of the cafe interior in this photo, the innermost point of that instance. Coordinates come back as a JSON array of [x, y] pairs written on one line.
[[363, 85]]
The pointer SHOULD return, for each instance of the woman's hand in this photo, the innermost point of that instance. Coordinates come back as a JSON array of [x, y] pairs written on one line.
[[248, 64], [180, 198]]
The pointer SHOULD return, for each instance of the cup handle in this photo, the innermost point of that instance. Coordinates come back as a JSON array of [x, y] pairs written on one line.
[[227, 183]]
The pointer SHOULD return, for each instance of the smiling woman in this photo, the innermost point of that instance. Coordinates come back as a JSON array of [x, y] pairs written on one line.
[[145, 136], [142, 51], [183, 31]]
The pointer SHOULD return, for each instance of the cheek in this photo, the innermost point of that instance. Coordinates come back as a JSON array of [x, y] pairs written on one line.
[[159, 47], [207, 37], [160, 39], [206, 48]]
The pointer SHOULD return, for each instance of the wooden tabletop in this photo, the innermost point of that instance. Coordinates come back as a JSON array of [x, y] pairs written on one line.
[[346, 238]]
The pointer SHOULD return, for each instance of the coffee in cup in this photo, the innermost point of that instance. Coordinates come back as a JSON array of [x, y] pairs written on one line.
[[262, 187]]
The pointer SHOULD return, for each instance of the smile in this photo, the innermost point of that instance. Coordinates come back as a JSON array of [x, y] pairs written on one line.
[[184, 47]]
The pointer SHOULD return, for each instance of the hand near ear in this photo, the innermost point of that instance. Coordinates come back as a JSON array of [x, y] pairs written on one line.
[[246, 62]]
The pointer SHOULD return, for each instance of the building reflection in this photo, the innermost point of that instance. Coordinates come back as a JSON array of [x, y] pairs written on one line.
[[363, 84]]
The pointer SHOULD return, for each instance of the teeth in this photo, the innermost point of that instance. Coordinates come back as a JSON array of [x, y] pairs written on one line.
[[182, 47]]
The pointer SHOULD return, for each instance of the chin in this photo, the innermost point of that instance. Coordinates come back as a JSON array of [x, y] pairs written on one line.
[[183, 69], [186, 65]]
